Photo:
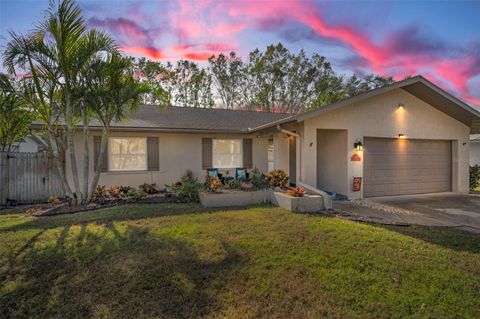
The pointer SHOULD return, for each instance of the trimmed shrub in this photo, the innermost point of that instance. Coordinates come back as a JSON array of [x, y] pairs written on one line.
[[296, 192], [277, 178], [258, 179], [187, 188], [148, 188], [212, 183]]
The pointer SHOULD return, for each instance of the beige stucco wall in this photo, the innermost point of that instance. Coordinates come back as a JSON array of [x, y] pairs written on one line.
[[178, 152], [475, 153], [380, 117]]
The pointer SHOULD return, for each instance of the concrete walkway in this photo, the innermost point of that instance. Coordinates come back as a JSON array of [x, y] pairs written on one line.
[[445, 209]]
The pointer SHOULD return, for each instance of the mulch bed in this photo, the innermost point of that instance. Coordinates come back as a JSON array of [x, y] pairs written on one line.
[[39, 210]]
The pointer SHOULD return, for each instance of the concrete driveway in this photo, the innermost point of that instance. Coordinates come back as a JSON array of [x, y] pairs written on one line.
[[445, 209]]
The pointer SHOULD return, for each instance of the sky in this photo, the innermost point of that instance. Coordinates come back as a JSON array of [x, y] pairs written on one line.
[[437, 39]]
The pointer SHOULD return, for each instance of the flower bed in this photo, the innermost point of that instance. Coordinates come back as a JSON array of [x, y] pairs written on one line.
[[304, 204]]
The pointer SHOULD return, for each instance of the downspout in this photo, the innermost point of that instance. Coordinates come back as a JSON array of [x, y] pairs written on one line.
[[327, 199]]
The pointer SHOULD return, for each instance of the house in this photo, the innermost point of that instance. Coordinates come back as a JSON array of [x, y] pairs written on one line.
[[30, 144], [475, 149], [406, 138]]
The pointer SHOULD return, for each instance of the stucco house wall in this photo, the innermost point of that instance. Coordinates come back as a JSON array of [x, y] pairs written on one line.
[[380, 117], [475, 153], [178, 152]]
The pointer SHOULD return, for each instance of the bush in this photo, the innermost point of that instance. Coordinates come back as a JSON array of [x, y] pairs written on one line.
[[258, 179], [277, 178], [135, 195], [117, 191], [148, 188], [474, 177], [53, 200], [233, 184], [296, 192], [100, 193], [187, 188], [212, 183]]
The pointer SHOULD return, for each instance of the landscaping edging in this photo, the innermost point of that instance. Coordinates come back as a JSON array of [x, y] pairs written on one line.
[[307, 203]]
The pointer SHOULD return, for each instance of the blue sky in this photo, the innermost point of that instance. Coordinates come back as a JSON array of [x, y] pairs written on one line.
[[440, 40]]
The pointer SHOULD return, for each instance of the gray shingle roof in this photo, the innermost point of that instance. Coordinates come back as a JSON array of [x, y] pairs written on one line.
[[195, 119]]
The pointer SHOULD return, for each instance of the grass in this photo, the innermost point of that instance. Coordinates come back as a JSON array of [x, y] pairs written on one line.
[[178, 261]]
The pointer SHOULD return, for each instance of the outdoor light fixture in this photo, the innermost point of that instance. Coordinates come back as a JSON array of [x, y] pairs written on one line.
[[401, 106], [401, 135], [358, 145]]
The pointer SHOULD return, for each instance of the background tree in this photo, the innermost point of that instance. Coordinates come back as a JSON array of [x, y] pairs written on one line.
[[158, 77], [15, 116], [193, 85], [228, 76]]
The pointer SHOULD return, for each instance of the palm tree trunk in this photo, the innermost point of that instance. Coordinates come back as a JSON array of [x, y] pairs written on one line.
[[98, 165], [86, 153], [71, 149], [59, 166]]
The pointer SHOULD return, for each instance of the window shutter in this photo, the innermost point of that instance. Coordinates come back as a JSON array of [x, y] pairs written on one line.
[[97, 144], [153, 150], [207, 152], [247, 153]]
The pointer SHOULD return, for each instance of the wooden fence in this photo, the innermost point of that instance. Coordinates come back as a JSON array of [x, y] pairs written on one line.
[[27, 178]]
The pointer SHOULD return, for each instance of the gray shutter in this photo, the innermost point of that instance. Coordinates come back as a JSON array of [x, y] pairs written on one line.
[[97, 144], [153, 150], [247, 153], [207, 152]]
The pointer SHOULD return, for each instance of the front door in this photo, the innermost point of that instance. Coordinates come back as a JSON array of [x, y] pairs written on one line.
[[292, 146]]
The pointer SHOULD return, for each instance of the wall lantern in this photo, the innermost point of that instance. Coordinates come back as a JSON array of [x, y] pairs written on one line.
[[401, 106], [401, 135], [358, 145]]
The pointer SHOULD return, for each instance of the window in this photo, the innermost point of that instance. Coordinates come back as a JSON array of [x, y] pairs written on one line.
[[227, 153], [127, 154], [271, 156]]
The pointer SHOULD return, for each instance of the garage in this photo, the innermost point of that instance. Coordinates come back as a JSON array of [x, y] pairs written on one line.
[[405, 166]]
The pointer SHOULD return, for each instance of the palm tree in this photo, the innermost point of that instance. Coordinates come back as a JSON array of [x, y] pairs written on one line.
[[57, 54], [15, 116], [114, 92]]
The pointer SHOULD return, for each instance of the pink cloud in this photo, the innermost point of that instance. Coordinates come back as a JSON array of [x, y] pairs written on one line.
[[152, 53]]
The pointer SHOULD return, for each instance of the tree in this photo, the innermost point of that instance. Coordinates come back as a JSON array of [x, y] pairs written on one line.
[[114, 91], [56, 54], [15, 116], [228, 76], [158, 77], [193, 85]]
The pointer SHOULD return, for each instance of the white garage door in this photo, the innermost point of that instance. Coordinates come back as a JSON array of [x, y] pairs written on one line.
[[406, 166]]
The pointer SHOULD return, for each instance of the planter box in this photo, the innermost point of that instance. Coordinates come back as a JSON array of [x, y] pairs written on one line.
[[234, 198], [305, 204]]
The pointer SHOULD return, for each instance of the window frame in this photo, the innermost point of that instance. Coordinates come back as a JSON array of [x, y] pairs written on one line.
[[239, 140], [110, 169]]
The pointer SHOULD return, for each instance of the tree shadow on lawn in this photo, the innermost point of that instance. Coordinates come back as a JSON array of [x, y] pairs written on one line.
[[119, 213], [110, 273]]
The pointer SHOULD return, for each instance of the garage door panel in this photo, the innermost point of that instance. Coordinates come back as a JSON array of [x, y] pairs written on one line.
[[404, 166]]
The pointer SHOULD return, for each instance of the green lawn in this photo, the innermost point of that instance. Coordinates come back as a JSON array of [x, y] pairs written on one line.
[[170, 261]]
